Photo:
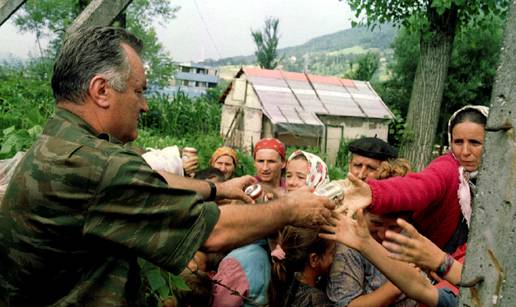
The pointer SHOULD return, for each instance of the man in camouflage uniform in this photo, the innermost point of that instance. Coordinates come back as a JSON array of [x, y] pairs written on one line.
[[81, 206]]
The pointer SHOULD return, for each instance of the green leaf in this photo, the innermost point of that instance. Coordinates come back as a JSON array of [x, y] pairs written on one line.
[[35, 131], [5, 150], [8, 131], [156, 280]]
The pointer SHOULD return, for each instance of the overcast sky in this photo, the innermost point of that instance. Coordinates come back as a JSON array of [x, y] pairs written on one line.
[[213, 29]]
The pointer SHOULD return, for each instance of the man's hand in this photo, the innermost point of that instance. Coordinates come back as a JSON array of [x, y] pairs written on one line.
[[307, 209], [234, 188], [345, 230], [357, 196], [190, 165]]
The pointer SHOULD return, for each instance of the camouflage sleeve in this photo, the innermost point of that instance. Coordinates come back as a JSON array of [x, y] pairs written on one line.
[[135, 209], [346, 280]]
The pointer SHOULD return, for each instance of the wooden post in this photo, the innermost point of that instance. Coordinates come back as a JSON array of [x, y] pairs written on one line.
[[491, 250], [8, 7], [99, 13]]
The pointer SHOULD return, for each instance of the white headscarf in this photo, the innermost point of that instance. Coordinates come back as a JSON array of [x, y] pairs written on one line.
[[317, 169], [464, 192], [482, 109]]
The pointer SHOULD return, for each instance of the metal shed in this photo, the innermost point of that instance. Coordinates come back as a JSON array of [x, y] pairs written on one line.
[[302, 110]]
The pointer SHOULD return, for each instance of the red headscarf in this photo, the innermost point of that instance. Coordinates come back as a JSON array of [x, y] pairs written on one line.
[[270, 143]]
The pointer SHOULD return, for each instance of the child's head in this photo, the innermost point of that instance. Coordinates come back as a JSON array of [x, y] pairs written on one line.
[[302, 246], [393, 168], [200, 289], [379, 224], [298, 250], [305, 169], [210, 174]]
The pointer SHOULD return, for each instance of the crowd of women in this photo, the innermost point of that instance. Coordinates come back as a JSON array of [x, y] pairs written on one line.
[[400, 239]]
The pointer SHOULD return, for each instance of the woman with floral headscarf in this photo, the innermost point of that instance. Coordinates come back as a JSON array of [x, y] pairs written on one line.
[[305, 169]]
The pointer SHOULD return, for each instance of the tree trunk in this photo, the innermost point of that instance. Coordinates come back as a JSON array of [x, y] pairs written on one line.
[[427, 91]]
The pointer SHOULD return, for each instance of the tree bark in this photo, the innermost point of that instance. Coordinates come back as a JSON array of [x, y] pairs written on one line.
[[492, 239], [427, 91]]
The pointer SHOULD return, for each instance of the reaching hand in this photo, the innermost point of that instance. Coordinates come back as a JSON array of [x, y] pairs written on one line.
[[234, 188], [413, 247], [345, 230], [357, 196], [190, 165], [307, 209]]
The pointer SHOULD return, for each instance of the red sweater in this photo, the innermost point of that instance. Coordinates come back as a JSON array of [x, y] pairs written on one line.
[[431, 194]]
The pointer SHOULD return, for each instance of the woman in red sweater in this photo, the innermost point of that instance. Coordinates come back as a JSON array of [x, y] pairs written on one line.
[[439, 195]]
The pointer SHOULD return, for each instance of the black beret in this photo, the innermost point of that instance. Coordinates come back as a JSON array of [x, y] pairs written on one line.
[[373, 148]]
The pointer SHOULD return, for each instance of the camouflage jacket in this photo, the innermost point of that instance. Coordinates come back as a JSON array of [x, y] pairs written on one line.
[[79, 210]]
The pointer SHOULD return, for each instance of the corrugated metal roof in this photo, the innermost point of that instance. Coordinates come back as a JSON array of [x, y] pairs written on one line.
[[297, 98]]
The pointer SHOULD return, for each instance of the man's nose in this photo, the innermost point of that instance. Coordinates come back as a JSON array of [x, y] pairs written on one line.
[[145, 105], [363, 173]]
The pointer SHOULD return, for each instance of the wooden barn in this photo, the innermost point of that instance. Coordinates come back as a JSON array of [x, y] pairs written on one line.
[[302, 110]]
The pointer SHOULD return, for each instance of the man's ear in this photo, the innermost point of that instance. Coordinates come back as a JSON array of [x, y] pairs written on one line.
[[99, 91]]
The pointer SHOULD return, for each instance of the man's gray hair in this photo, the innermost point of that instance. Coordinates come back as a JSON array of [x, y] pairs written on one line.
[[87, 53]]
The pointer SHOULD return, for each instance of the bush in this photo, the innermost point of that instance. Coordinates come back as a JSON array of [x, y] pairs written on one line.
[[180, 116], [26, 102]]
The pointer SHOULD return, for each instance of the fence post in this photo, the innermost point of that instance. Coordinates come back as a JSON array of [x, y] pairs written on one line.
[[99, 13], [8, 7], [491, 253]]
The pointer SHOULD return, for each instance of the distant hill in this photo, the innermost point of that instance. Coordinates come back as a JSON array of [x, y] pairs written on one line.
[[329, 54]]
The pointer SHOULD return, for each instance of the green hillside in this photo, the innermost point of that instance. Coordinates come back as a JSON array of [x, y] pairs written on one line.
[[330, 54]]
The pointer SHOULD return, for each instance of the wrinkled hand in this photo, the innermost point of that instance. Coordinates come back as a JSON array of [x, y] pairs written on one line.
[[345, 230], [357, 196], [307, 209], [413, 247], [190, 165], [234, 188]]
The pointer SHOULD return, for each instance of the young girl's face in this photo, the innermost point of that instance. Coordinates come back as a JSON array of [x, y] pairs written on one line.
[[326, 259], [297, 171]]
